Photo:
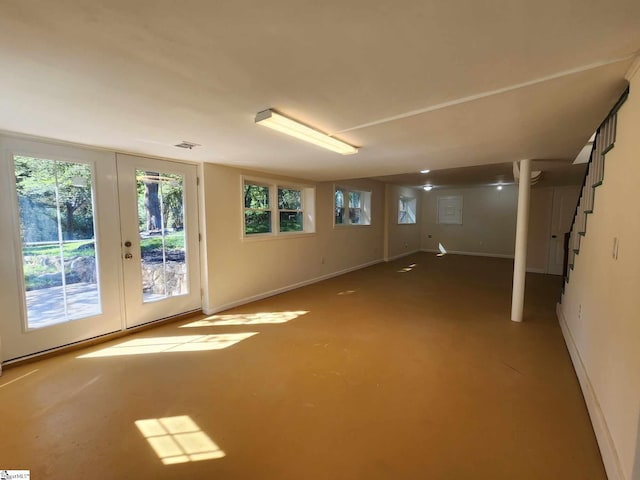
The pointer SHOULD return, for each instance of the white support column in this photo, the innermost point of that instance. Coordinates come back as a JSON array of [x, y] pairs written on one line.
[[522, 229]]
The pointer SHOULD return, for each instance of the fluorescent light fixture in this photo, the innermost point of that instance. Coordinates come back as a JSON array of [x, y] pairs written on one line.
[[426, 170], [276, 121], [427, 188]]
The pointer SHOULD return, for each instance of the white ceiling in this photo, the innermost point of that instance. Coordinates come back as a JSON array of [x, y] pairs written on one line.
[[140, 76]]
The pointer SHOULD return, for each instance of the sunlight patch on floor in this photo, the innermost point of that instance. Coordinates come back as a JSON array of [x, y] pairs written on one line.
[[19, 378], [182, 343], [262, 318], [407, 268], [178, 440]]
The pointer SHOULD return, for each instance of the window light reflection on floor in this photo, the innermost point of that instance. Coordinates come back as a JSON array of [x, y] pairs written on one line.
[[246, 319], [19, 378], [407, 269], [181, 343], [178, 440]]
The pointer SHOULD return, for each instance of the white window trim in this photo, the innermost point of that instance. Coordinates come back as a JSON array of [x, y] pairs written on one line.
[[366, 208], [307, 204]]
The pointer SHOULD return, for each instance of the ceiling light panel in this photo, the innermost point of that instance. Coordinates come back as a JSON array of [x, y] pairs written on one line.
[[280, 123]]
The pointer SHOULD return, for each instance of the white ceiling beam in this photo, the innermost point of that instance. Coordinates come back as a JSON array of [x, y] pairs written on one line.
[[490, 93]]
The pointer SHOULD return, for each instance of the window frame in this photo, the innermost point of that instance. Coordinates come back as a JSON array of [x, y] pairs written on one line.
[[257, 183], [365, 206], [297, 188], [307, 208]]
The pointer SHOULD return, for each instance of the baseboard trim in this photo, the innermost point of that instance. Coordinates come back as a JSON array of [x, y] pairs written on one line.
[[402, 255], [608, 450], [278, 291], [473, 254], [536, 270]]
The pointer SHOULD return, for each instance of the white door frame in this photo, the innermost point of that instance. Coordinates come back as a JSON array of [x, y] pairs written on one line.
[[18, 340], [139, 312]]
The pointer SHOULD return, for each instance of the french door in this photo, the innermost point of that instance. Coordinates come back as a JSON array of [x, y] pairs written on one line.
[[100, 243], [159, 218]]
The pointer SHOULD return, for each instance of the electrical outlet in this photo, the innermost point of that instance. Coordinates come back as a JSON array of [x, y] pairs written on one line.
[[580, 312]]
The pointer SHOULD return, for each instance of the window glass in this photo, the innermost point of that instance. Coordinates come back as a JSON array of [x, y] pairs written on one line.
[[355, 211], [339, 208], [407, 210], [162, 235], [290, 210], [257, 213], [352, 207], [59, 261], [275, 209]]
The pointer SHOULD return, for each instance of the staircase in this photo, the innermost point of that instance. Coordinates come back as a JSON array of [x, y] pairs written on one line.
[[594, 176]]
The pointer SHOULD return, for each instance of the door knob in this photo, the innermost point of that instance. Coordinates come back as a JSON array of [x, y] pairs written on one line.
[[128, 255], [127, 244]]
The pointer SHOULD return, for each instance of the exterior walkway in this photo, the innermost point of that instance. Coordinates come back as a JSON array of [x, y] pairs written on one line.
[[46, 306]]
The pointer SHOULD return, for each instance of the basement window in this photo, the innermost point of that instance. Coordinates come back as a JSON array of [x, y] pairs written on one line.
[[272, 209], [351, 206], [406, 210], [450, 210]]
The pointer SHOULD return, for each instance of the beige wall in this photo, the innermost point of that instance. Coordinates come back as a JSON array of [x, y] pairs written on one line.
[[402, 239], [242, 270], [601, 304], [488, 221]]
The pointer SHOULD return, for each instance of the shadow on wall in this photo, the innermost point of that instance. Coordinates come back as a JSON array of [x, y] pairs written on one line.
[[635, 475]]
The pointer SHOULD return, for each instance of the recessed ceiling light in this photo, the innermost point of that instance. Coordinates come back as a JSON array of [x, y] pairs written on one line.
[[276, 121], [427, 188], [499, 187], [425, 171]]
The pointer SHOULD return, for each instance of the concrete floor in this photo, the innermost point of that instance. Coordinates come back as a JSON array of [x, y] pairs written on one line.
[[405, 370]]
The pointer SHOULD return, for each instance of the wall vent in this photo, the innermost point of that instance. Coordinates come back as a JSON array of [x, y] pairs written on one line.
[[187, 145]]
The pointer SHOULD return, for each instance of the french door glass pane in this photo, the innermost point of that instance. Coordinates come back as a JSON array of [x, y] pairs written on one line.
[[162, 235], [55, 203]]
